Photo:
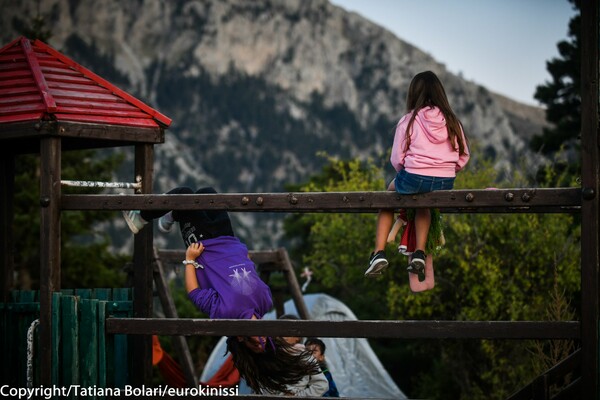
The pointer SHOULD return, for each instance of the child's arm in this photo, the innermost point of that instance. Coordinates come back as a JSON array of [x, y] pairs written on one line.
[[192, 252]]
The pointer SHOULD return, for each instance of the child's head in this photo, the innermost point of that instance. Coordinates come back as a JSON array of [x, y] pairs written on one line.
[[316, 347], [273, 369], [426, 90]]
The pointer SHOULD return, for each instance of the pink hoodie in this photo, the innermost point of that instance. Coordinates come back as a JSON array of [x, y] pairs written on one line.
[[430, 152]]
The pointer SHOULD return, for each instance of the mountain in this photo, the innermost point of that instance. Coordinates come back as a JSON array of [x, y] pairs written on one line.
[[257, 88]]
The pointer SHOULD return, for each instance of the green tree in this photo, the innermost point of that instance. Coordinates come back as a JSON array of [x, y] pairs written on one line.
[[87, 260], [562, 96], [493, 267]]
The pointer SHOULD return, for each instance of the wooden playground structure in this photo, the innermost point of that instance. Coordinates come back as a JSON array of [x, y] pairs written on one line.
[[142, 127]]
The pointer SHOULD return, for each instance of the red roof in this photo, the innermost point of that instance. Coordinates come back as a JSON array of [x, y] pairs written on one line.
[[37, 82]]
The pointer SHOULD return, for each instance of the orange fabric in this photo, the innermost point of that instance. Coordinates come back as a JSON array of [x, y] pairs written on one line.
[[171, 371], [226, 376], [157, 351]]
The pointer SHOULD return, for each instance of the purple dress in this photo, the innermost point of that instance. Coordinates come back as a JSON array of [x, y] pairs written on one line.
[[229, 288]]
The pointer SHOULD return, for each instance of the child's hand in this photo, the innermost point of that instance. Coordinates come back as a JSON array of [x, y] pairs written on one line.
[[193, 251]]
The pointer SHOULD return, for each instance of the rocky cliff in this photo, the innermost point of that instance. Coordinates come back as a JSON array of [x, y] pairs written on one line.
[[257, 88]]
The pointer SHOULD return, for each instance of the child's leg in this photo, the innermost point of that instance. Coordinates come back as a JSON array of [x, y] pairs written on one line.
[[422, 224], [378, 261], [385, 218]]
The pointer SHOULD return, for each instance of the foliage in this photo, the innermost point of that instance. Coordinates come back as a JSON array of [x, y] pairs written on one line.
[[86, 257], [562, 96], [493, 267]]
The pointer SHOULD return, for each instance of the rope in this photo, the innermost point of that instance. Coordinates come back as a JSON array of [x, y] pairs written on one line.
[[30, 331], [114, 185]]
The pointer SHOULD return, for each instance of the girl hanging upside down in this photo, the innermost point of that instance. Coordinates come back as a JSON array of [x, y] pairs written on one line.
[[222, 282]]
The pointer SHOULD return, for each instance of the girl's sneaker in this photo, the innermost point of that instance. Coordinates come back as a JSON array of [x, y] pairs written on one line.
[[417, 265], [377, 263], [134, 220], [165, 223]]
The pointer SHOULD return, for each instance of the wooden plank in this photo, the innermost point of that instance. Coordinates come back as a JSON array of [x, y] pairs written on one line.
[[127, 134], [290, 275], [50, 172], [142, 266], [106, 112], [104, 105], [460, 200], [90, 87], [590, 212], [102, 345], [72, 94], [353, 329], [21, 108], [56, 337], [88, 344], [9, 91], [118, 374], [67, 79], [17, 82], [14, 74], [38, 76], [102, 294], [101, 119], [18, 99], [69, 341]]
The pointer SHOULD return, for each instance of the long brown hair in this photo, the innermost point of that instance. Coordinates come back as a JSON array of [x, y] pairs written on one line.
[[426, 90], [281, 364]]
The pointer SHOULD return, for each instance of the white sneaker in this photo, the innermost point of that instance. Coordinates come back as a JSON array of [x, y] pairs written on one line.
[[134, 220], [165, 223]]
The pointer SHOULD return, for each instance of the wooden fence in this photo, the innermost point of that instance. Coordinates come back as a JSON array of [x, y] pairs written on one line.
[[83, 353]]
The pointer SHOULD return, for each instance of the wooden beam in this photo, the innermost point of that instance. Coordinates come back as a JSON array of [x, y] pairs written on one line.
[[504, 200], [142, 275], [290, 276], [7, 194], [348, 329], [50, 174], [116, 133], [590, 176]]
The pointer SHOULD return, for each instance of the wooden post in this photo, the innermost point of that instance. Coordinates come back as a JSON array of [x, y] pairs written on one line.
[[288, 271], [141, 370], [7, 191], [50, 171], [590, 258]]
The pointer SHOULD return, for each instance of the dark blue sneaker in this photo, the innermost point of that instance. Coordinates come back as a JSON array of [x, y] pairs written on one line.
[[377, 263], [417, 265]]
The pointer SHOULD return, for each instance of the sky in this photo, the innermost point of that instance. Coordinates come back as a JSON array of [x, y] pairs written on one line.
[[500, 44]]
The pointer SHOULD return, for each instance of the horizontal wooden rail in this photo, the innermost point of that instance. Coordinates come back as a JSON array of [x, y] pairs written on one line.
[[469, 201], [352, 329]]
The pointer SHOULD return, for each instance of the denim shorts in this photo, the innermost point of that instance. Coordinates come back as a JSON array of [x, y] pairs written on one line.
[[407, 183]]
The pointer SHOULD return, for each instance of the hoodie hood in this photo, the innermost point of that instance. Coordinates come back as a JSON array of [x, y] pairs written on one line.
[[433, 124]]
